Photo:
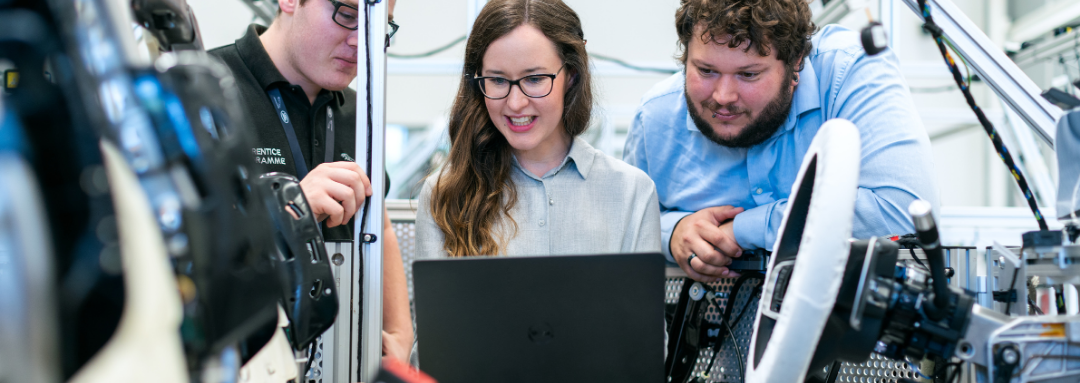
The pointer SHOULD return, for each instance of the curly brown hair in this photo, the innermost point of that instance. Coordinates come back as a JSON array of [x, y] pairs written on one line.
[[785, 25], [474, 191]]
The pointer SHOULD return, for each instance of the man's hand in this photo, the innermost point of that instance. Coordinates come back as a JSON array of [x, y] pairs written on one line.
[[393, 347], [335, 190], [708, 234]]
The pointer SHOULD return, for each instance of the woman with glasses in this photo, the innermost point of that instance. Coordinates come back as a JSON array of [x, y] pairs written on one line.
[[518, 180]]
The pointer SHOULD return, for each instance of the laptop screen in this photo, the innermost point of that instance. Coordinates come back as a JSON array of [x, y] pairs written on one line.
[[541, 319]]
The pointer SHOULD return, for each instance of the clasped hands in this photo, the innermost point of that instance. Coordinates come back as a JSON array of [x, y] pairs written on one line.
[[703, 243]]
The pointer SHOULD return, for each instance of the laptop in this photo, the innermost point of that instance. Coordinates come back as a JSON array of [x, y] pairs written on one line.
[[589, 318]]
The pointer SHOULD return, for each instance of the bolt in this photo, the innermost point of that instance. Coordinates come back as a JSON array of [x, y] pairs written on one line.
[[1010, 356]]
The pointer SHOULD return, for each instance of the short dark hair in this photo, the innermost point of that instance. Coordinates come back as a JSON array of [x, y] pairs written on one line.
[[785, 25]]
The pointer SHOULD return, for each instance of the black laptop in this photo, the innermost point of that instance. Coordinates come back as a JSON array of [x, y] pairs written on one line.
[[590, 318]]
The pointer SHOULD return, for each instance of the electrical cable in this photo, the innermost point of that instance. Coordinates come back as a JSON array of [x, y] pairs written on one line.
[[367, 200], [916, 258], [1034, 306], [949, 378], [963, 60], [999, 146], [726, 315], [428, 53], [738, 353], [910, 241], [629, 65], [916, 369], [596, 56], [310, 358]]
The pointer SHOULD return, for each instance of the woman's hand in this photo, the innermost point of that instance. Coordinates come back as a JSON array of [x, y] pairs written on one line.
[[394, 346]]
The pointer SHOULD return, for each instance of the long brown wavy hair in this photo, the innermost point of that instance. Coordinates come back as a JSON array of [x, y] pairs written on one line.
[[474, 191]]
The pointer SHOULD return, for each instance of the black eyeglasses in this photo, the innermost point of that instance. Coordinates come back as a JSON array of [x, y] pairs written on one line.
[[348, 17], [532, 86], [393, 29], [345, 15]]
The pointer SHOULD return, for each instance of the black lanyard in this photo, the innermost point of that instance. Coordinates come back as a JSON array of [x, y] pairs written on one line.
[[290, 134]]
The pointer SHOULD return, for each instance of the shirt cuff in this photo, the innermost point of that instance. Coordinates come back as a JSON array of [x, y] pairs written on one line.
[[750, 228], [668, 220]]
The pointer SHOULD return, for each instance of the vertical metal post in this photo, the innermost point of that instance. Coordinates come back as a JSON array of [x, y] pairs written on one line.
[[888, 10], [366, 335], [337, 347], [472, 8]]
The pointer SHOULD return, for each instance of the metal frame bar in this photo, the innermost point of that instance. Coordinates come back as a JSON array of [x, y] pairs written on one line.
[[1043, 20], [990, 62], [830, 13], [472, 9], [1050, 49], [366, 334], [266, 10]]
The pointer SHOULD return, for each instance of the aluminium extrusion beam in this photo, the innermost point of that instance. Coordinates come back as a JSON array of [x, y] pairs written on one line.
[[1003, 76], [263, 9], [990, 62], [1064, 44], [366, 334], [830, 13]]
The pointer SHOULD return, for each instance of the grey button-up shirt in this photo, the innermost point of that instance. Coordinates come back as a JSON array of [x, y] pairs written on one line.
[[589, 204]]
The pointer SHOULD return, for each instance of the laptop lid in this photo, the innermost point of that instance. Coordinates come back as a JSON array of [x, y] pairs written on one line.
[[541, 319]]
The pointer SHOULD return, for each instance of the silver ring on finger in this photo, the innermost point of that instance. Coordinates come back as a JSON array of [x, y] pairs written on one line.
[[689, 260]]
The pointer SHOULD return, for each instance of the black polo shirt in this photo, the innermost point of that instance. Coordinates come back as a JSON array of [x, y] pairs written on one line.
[[255, 75]]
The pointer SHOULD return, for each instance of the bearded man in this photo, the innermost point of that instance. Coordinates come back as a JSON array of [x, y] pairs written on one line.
[[724, 138]]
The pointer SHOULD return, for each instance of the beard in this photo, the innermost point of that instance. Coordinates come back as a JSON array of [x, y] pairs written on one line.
[[760, 128]]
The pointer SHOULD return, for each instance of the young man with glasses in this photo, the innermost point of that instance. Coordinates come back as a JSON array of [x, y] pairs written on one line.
[[293, 79]]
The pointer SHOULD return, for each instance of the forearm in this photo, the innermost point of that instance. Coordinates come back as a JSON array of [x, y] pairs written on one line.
[[878, 212], [396, 316], [668, 221]]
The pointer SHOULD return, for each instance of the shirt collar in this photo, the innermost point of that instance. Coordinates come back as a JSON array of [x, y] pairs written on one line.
[[806, 98], [807, 95], [581, 154], [262, 67]]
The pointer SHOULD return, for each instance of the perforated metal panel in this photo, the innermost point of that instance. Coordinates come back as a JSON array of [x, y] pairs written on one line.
[[406, 236], [315, 373], [876, 370], [727, 367]]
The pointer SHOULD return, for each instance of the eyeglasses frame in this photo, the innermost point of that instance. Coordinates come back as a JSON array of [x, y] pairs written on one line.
[[517, 82], [337, 7]]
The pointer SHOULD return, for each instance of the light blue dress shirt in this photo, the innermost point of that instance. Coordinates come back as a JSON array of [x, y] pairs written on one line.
[[838, 81]]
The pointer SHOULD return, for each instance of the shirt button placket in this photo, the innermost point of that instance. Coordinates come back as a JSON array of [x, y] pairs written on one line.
[[547, 193]]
